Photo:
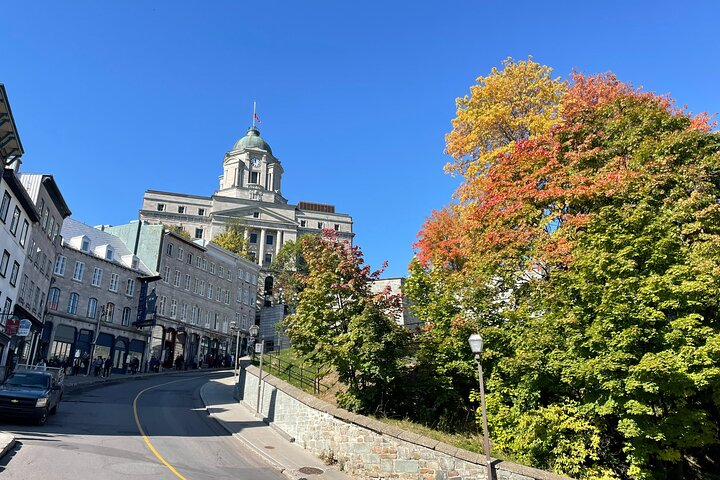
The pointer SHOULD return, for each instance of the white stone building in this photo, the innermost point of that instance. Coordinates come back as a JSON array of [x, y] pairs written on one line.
[[250, 192]]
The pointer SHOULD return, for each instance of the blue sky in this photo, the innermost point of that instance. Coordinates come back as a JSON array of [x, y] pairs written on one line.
[[117, 97]]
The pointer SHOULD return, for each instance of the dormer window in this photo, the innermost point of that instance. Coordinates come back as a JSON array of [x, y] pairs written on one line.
[[135, 263], [85, 244], [256, 214], [109, 253]]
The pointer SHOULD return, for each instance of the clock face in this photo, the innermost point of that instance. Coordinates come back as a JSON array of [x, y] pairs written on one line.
[[254, 161]]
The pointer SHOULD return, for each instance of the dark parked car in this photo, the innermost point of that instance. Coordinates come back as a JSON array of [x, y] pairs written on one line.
[[31, 394]]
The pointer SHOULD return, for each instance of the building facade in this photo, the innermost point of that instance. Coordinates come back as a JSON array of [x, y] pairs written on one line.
[[93, 300], [43, 247], [200, 289], [17, 218], [250, 192]]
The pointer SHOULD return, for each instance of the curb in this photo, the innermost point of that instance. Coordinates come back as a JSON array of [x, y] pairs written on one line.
[[9, 443], [290, 474]]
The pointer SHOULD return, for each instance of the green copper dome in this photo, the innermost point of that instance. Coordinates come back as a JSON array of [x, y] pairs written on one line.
[[252, 139]]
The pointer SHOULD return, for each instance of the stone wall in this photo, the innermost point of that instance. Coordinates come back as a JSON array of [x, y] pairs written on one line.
[[362, 446]]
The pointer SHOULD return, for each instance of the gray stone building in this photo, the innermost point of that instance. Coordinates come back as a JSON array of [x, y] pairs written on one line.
[[250, 192], [43, 247], [200, 288], [93, 301]]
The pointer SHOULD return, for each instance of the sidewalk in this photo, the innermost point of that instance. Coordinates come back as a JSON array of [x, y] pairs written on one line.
[[239, 419]]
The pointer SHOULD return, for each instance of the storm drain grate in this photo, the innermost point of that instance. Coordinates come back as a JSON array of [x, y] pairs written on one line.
[[310, 470]]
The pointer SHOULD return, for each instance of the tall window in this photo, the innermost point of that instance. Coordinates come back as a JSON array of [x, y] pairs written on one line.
[[53, 298], [187, 282], [97, 276], [14, 273], [73, 303], [189, 258], [183, 312], [166, 277], [161, 306], [181, 254], [130, 288], [169, 249], [78, 272], [23, 233], [253, 238], [198, 233], [109, 312], [173, 308], [126, 317], [4, 263], [195, 315], [5, 206], [60, 265], [114, 277], [92, 308], [15, 221], [177, 278]]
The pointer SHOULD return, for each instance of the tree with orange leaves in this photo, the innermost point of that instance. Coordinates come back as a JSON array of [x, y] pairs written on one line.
[[587, 252]]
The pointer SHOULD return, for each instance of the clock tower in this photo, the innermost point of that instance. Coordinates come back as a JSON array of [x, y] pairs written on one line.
[[251, 171]]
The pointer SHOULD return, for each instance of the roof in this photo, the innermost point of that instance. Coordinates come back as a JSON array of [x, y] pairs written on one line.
[[11, 148], [32, 182], [21, 194], [252, 139], [72, 228]]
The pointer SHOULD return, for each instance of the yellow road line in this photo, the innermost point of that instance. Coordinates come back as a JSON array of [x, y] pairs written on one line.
[[142, 432]]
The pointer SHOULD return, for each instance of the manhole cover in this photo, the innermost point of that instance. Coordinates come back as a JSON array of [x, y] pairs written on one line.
[[310, 471], [269, 447]]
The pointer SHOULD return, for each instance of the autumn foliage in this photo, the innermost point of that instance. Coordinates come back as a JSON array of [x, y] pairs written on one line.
[[584, 243]]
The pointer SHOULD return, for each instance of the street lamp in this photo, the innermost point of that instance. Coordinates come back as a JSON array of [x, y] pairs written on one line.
[[254, 331], [236, 328], [476, 345]]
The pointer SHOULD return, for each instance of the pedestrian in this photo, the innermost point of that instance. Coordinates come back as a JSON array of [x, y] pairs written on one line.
[[76, 367], [41, 365], [108, 366], [153, 364], [98, 365], [134, 365]]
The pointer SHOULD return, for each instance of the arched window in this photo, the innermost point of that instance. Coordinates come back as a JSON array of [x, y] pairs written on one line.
[[109, 312], [73, 303], [92, 308], [53, 298]]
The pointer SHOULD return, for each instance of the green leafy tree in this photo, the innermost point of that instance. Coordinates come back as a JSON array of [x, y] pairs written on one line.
[[601, 240], [339, 321], [233, 239]]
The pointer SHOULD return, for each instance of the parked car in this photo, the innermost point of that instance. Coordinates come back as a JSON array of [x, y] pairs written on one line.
[[31, 393]]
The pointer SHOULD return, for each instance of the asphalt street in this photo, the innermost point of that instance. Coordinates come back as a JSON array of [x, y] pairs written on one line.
[[155, 428]]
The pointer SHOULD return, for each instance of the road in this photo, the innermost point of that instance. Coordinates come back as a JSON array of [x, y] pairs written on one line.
[[155, 428]]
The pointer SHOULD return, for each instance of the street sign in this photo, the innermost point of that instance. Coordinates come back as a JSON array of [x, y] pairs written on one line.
[[12, 325], [24, 328]]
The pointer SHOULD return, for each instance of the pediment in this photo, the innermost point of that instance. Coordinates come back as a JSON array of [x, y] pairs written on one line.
[[245, 213]]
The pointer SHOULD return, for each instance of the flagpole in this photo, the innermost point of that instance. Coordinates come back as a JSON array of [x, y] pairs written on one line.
[[253, 124]]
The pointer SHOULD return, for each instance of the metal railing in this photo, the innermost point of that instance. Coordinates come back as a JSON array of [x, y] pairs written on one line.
[[305, 378]]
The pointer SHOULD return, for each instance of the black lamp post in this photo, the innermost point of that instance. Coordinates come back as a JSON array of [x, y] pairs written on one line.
[[476, 345]]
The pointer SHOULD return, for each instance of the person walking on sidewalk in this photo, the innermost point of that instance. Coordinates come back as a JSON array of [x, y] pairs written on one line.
[[108, 366], [98, 365]]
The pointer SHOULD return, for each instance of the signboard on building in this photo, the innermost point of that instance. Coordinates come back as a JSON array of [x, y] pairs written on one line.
[[12, 325], [24, 328]]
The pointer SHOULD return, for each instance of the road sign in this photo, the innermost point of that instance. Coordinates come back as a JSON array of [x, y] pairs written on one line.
[[24, 328], [11, 326]]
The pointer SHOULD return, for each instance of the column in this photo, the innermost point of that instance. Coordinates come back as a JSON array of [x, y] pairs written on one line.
[[261, 250], [278, 242]]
